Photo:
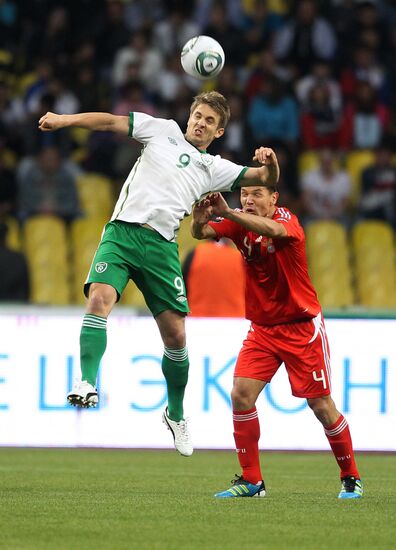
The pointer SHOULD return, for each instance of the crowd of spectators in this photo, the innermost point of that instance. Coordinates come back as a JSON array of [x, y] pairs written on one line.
[[299, 75]]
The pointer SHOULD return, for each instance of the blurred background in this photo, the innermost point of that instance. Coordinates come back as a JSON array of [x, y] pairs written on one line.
[[315, 80]]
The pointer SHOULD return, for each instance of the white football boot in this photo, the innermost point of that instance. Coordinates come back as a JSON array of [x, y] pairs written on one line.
[[180, 433], [83, 395]]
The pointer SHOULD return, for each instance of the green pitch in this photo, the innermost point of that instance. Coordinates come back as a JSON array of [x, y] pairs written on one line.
[[117, 499]]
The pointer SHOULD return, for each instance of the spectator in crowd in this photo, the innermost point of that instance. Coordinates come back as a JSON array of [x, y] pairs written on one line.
[[321, 122], [325, 190], [366, 119], [209, 267], [364, 68], [138, 51], [305, 38], [232, 10], [273, 115], [14, 276], [222, 30], [112, 35], [368, 26], [235, 139], [321, 73], [264, 67], [378, 191], [47, 186], [170, 34], [259, 26]]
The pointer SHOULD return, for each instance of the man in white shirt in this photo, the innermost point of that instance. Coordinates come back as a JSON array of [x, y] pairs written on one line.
[[173, 172]]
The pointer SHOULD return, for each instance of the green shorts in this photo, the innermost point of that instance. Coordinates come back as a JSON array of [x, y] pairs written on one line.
[[130, 251]]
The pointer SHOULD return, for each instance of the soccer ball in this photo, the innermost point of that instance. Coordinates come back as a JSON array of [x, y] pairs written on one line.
[[202, 57]]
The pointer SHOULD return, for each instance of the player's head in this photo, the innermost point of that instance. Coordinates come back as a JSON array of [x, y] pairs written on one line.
[[260, 200], [209, 115]]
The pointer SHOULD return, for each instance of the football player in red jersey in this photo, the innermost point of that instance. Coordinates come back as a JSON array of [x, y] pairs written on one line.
[[287, 327]]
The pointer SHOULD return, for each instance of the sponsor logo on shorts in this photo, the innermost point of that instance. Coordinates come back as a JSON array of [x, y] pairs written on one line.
[[100, 267], [181, 299]]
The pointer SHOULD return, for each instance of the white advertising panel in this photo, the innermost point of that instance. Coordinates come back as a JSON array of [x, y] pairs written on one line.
[[39, 361]]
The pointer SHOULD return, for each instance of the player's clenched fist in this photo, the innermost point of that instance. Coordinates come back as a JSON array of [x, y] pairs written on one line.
[[265, 155], [50, 121]]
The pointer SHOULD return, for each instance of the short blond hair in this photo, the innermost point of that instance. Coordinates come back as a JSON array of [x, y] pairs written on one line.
[[217, 102]]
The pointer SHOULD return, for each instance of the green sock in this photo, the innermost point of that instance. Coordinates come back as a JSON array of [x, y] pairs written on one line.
[[93, 340], [175, 368]]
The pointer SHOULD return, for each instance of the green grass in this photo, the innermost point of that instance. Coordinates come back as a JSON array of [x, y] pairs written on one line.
[[55, 499]]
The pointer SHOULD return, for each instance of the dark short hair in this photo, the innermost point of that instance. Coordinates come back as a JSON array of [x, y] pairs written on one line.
[[217, 102], [272, 187]]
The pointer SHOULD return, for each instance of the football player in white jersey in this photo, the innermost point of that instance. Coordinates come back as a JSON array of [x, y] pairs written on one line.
[[173, 172]]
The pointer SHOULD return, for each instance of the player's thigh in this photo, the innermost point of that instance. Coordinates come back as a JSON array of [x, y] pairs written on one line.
[[118, 250], [307, 359], [160, 278], [257, 359]]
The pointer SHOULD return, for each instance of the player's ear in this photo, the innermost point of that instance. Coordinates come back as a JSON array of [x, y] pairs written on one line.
[[274, 198], [219, 132]]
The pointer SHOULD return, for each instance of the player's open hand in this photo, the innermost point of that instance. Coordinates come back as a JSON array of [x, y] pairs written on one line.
[[50, 122], [202, 212], [265, 155], [218, 204]]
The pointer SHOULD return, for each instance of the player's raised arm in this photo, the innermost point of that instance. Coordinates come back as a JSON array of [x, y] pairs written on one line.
[[258, 224], [268, 172], [201, 214], [91, 121]]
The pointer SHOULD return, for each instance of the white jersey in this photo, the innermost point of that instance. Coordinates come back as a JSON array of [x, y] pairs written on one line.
[[169, 176]]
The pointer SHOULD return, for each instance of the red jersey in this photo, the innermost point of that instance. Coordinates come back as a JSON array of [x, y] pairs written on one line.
[[278, 287]]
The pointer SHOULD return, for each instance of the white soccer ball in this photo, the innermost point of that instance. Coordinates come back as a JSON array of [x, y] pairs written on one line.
[[202, 57]]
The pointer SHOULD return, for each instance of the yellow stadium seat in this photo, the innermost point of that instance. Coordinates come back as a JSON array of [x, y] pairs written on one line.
[[308, 160], [355, 163], [185, 240], [96, 195], [133, 297], [374, 258], [329, 265], [13, 240], [85, 236], [46, 248]]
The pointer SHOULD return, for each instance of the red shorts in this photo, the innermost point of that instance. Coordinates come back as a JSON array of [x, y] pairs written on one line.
[[302, 346]]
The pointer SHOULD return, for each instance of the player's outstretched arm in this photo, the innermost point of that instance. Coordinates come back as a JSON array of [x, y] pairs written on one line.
[[268, 173], [257, 224], [91, 121], [201, 214]]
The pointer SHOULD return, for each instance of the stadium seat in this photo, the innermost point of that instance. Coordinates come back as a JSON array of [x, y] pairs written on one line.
[[14, 235], [96, 195], [184, 239], [329, 265], [374, 259], [355, 163], [45, 245], [308, 160], [85, 236], [133, 297]]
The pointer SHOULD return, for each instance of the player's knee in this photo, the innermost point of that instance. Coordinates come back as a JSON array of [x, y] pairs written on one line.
[[175, 338], [321, 406], [241, 398], [101, 300]]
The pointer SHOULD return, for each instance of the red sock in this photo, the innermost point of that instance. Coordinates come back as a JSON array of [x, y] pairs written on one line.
[[247, 435], [341, 444]]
